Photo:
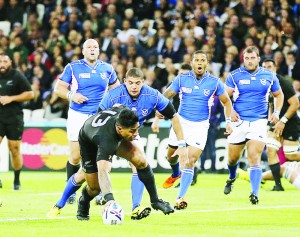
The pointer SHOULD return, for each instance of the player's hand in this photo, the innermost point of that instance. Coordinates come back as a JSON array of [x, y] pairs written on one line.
[[235, 117], [182, 153], [274, 118], [155, 125], [107, 204], [278, 128], [4, 100], [228, 130], [78, 98], [159, 115]]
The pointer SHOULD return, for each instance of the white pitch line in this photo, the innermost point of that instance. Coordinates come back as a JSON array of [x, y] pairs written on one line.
[[177, 212]]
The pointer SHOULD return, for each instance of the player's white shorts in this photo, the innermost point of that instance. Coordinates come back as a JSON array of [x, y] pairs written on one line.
[[244, 130], [74, 123], [195, 133]]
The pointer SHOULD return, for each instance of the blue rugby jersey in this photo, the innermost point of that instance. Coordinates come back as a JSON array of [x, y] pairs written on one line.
[[251, 92], [197, 94], [89, 81], [148, 100]]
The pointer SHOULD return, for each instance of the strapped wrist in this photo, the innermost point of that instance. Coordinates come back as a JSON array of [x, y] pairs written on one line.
[[284, 119], [181, 143]]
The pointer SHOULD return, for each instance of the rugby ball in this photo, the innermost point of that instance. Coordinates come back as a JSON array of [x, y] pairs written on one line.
[[113, 214]]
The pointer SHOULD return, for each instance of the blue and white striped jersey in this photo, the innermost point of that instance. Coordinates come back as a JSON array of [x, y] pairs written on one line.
[[89, 81], [148, 100], [197, 95], [251, 92]]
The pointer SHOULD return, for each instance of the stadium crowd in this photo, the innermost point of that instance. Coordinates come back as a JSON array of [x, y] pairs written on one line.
[[155, 36]]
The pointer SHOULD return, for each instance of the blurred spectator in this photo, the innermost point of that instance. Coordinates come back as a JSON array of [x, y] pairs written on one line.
[[43, 78], [293, 66], [3, 11], [20, 47], [280, 63], [229, 64], [37, 101], [71, 24], [106, 44], [126, 32], [15, 12], [94, 17], [111, 13]]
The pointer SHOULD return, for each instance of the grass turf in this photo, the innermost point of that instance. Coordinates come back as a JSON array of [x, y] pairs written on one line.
[[209, 213]]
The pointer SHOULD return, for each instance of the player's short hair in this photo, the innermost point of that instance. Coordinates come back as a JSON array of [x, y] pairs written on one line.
[[127, 118], [251, 49], [134, 72], [186, 66], [269, 60], [199, 52]]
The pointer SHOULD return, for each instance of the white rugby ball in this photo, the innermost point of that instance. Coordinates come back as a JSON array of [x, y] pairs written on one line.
[[113, 214]]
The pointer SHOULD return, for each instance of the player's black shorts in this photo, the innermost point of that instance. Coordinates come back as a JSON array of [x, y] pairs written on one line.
[[291, 130], [12, 131], [88, 152]]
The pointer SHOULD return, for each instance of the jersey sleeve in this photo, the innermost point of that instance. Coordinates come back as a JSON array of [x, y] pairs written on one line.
[[113, 76], [229, 81], [106, 101], [162, 102], [175, 85], [23, 83], [287, 88], [220, 88], [66, 76], [275, 86]]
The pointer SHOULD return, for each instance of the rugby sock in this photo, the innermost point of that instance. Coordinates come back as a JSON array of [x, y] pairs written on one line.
[[232, 170], [70, 189], [255, 178], [296, 182], [137, 189], [17, 176], [275, 169], [175, 169], [85, 196], [147, 177], [71, 169], [186, 180]]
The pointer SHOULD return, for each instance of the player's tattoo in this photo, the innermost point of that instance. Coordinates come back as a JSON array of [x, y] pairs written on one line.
[[169, 93]]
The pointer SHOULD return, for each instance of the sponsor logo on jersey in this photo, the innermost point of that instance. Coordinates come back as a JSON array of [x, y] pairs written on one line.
[[187, 90], [244, 82], [206, 92], [84, 75]]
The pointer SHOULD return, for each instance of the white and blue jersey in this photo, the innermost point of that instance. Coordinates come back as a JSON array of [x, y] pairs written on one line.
[[148, 100], [197, 95], [89, 81], [251, 92]]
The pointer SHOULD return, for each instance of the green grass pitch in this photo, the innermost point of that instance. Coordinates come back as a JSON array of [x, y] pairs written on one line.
[[209, 212]]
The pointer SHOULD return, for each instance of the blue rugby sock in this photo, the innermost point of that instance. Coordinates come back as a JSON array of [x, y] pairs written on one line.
[[232, 170], [175, 169], [137, 189], [185, 182], [255, 178], [71, 188]]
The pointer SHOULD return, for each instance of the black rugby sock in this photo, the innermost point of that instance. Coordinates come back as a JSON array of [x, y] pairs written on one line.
[[147, 177], [275, 169], [17, 177]]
